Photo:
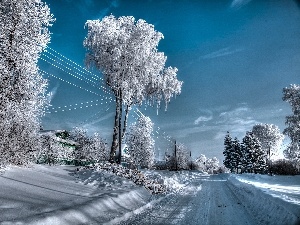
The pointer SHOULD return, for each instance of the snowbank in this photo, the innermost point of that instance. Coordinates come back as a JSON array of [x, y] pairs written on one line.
[[267, 210], [56, 195]]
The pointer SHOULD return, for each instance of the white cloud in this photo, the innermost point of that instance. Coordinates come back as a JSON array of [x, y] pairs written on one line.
[[236, 121], [239, 3], [202, 119], [233, 114], [222, 52]]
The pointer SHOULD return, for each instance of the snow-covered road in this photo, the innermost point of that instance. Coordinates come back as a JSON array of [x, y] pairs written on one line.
[[208, 200]]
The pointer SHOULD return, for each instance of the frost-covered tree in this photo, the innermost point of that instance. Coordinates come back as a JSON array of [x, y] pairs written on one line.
[[237, 155], [232, 153], [200, 163], [51, 150], [79, 135], [88, 149], [292, 96], [96, 150], [125, 51], [212, 165], [228, 152], [269, 137], [183, 158], [207, 165], [23, 35], [253, 155], [140, 142]]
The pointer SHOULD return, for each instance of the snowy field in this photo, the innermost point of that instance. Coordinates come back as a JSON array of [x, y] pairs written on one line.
[[62, 195]]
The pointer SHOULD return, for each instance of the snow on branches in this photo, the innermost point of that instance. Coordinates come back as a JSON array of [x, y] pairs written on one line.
[[23, 35], [247, 156], [270, 138], [125, 51], [140, 142], [292, 96]]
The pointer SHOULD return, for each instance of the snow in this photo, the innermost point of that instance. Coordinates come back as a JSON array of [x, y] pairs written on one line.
[[266, 197], [286, 188], [67, 195], [55, 195]]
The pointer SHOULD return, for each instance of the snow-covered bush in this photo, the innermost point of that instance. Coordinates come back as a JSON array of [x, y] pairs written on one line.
[[23, 36], [152, 185], [140, 142], [88, 149], [51, 150]]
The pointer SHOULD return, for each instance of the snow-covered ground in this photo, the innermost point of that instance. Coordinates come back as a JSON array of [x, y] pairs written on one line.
[[63, 195], [56, 195], [286, 188]]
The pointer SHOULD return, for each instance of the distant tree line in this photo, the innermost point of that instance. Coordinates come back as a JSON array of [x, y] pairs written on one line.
[[254, 153]]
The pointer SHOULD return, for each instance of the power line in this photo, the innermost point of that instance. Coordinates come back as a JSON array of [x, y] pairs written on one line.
[[73, 75], [81, 75], [80, 68], [46, 73]]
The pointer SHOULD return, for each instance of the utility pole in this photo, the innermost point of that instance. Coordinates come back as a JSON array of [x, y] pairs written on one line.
[[191, 162], [176, 167]]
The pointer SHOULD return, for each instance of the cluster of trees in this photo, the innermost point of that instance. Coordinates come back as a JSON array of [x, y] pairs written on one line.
[[75, 148], [124, 50], [23, 36], [204, 164], [254, 153]]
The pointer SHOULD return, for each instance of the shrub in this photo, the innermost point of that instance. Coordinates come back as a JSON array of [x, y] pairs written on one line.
[[284, 167]]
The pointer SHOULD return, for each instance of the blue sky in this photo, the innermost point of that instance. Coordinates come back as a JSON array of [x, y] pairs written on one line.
[[234, 57]]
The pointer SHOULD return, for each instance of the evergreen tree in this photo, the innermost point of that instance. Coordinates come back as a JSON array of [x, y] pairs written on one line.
[[253, 155], [228, 143], [236, 155]]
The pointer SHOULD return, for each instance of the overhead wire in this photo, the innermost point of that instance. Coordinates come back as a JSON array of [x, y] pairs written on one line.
[[68, 82], [74, 75], [77, 66]]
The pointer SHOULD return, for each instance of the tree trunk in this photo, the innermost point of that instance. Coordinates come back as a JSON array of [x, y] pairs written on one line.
[[115, 141], [125, 120], [120, 131]]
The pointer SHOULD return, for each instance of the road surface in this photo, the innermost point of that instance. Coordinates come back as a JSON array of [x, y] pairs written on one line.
[[206, 200]]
